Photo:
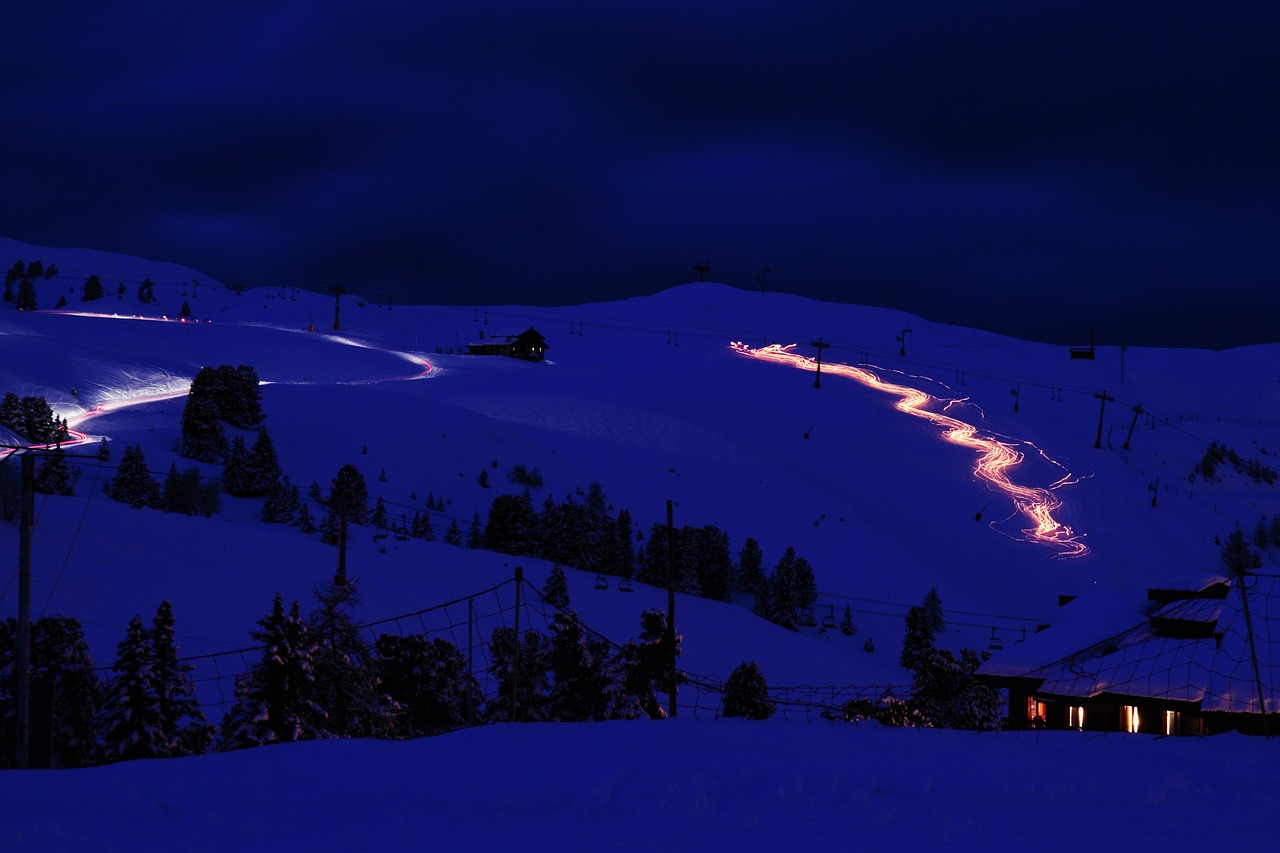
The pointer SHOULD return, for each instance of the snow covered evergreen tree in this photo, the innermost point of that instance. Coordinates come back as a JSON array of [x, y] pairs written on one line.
[[576, 661], [262, 466], [203, 437], [235, 470], [528, 682], [946, 695], [133, 483], [649, 663], [345, 682], [556, 590], [128, 721], [59, 654], [186, 729], [277, 700], [746, 693], [453, 536], [751, 566], [923, 624], [54, 476], [348, 493], [429, 681]]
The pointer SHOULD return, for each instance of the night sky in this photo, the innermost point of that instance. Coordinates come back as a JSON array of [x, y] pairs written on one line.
[[1035, 169]]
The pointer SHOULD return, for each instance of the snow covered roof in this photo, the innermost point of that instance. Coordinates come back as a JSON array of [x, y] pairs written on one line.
[[1192, 649]]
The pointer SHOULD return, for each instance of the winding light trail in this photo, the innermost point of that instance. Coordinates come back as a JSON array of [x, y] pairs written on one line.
[[995, 457], [153, 391]]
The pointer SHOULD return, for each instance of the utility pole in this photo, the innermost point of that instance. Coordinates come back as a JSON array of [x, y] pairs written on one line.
[[515, 655], [902, 342], [1097, 443], [337, 290], [1137, 410], [22, 685], [1122, 350], [340, 579], [817, 377], [1253, 649], [671, 606]]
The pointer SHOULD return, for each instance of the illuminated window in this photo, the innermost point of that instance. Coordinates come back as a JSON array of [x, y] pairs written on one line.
[[1035, 711], [1075, 716], [1172, 721], [1131, 721]]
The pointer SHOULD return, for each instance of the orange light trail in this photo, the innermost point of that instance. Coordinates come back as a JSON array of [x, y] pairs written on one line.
[[995, 458]]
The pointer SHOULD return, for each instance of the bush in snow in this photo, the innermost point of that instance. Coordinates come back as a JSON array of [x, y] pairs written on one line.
[[746, 694]]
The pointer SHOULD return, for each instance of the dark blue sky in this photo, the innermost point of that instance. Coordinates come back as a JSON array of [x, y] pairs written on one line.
[[1031, 168]]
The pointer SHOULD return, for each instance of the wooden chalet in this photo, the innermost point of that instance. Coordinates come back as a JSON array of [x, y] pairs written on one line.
[[529, 345], [1188, 668]]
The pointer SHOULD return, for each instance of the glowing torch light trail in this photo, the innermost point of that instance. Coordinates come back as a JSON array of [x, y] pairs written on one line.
[[995, 459]]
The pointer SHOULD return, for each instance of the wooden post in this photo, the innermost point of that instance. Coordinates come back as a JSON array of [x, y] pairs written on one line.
[[1097, 443], [671, 605], [1253, 649], [1137, 410], [22, 685], [515, 657]]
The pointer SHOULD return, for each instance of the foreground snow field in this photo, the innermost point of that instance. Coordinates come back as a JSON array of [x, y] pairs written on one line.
[[671, 785]]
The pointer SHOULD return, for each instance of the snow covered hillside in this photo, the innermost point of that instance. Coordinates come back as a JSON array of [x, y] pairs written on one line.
[[650, 398]]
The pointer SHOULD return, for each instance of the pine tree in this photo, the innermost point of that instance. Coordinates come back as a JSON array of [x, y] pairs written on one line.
[[203, 437], [262, 466], [746, 693], [529, 682], [428, 680], [128, 722], [475, 537], [453, 536], [649, 663], [946, 695], [235, 470], [187, 731], [379, 517], [576, 661], [923, 624], [345, 682], [846, 624], [283, 503], [750, 567], [277, 700], [348, 493], [626, 557], [54, 476], [304, 521], [1237, 556], [92, 289], [59, 654], [556, 590], [26, 298], [133, 483]]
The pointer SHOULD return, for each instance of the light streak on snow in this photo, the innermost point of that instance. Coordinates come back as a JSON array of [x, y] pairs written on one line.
[[996, 458]]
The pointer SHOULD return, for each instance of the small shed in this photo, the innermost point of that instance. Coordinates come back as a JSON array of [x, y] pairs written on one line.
[[528, 345]]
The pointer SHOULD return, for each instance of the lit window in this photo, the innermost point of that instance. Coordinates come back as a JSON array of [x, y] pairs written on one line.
[[1075, 716], [1035, 711], [1171, 722], [1131, 721]]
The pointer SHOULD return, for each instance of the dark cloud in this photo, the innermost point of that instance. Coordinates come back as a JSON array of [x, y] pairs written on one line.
[[1035, 169]]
